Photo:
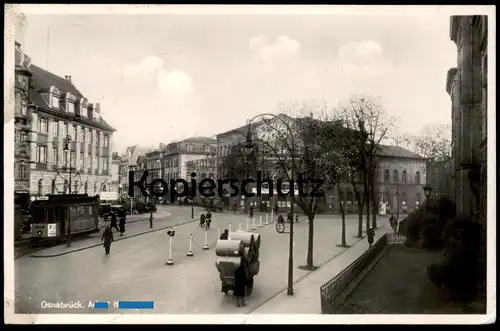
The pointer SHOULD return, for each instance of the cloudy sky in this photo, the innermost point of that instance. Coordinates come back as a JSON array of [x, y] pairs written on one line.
[[168, 76]]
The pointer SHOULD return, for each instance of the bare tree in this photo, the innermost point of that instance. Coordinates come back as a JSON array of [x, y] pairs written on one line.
[[365, 115], [312, 149]]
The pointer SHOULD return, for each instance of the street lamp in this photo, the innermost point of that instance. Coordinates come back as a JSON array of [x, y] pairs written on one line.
[[249, 145], [67, 148], [131, 168], [427, 192], [192, 202]]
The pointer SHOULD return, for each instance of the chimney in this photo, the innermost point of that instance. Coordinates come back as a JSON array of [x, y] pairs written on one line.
[[68, 78]]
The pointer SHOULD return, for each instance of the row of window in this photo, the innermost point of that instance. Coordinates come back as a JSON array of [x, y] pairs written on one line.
[[77, 187], [56, 101], [102, 163], [60, 129], [404, 177], [350, 198]]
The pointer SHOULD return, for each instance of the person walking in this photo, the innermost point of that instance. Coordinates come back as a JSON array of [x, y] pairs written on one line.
[[107, 236], [224, 235], [113, 221], [122, 224], [370, 235], [393, 222], [240, 283], [251, 211]]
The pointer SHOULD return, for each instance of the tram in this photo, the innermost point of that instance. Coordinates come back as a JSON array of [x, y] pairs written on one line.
[[50, 215]]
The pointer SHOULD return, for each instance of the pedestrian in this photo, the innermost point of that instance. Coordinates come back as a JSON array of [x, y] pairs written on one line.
[[370, 235], [107, 236], [224, 235], [276, 209], [240, 283], [290, 217], [114, 221], [122, 224], [234, 207], [251, 211], [202, 220], [281, 219], [393, 222]]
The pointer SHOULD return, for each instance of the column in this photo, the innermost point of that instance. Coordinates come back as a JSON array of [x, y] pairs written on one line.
[[94, 164], [99, 151], [78, 162], [33, 138]]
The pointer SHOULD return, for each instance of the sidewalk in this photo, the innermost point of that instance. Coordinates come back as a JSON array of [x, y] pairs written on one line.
[[306, 298], [132, 230]]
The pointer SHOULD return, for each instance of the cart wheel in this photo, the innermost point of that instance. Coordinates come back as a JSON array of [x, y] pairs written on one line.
[[280, 227], [249, 287]]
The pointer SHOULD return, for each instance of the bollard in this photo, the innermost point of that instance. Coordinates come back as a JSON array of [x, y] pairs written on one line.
[[190, 252], [229, 227], [254, 227], [206, 240], [170, 261], [260, 221], [239, 226], [272, 216], [218, 232], [267, 219], [248, 223]]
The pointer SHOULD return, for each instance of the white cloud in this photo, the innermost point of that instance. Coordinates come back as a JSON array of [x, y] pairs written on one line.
[[151, 72], [283, 47]]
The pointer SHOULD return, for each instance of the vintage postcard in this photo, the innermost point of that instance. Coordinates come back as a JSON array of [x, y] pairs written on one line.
[[249, 164]]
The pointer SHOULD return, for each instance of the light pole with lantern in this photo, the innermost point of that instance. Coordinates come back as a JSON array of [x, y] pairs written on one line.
[[67, 148], [131, 168], [249, 145], [427, 193]]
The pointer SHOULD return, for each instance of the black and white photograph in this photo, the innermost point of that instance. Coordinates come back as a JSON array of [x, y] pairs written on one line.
[[249, 164]]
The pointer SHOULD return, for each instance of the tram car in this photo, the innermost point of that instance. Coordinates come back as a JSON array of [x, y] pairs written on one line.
[[50, 216]]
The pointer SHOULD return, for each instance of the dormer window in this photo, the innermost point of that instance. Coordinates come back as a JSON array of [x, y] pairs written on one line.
[[97, 110], [70, 103], [54, 97], [83, 104]]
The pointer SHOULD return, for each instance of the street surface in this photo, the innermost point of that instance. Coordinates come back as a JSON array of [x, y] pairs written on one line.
[[135, 269]]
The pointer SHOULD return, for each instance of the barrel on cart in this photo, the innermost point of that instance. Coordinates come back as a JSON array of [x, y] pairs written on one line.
[[229, 253]]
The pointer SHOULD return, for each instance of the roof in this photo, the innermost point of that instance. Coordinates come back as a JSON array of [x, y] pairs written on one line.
[[43, 79], [397, 151], [202, 140]]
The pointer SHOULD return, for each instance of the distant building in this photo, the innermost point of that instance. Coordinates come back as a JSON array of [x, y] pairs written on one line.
[[128, 161], [467, 85], [116, 185], [439, 177]]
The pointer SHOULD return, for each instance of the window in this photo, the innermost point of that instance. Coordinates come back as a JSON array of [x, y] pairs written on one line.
[[95, 187], [417, 199], [55, 155], [74, 133], [53, 186], [104, 187], [207, 149], [71, 107], [67, 129], [73, 158], [349, 197], [404, 177], [82, 160], [106, 141], [65, 187], [403, 199], [189, 148], [41, 154], [54, 101], [75, 187], [83, 111], [40, 187], [98, 139], [86, 187], [43, 125], [21, 171], [24, 107], [98, 164], [395, 178], [417, 178], [386, 176], [104, 163]]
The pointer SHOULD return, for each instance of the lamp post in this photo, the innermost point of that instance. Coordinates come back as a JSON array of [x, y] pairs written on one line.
[[67, 148], [427, 193], [131, 168], [249, 145]]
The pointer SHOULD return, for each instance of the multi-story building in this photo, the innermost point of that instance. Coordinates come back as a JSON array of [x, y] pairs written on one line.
[[467, 85], [22, 129], [70, 143], [115, 174], [439, 178], [127, 163]]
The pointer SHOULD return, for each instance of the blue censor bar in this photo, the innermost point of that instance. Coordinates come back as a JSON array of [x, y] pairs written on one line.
[[101, 305], [136, 304]]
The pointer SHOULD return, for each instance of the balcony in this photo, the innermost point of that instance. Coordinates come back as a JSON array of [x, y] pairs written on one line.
[[41, 166]]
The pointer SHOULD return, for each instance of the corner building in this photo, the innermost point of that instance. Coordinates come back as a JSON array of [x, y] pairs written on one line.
[[59, 110]]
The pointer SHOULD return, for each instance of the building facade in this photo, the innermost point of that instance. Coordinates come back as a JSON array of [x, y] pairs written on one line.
[[115, 174], [70, 143], [467, 86]]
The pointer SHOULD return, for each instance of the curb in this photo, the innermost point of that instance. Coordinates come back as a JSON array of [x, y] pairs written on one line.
[[100, 244]]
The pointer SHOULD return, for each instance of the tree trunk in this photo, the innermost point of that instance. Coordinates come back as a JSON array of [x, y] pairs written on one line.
[[368, 211], [360, 215], [342, 213], [310, 241], [374, 202]]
